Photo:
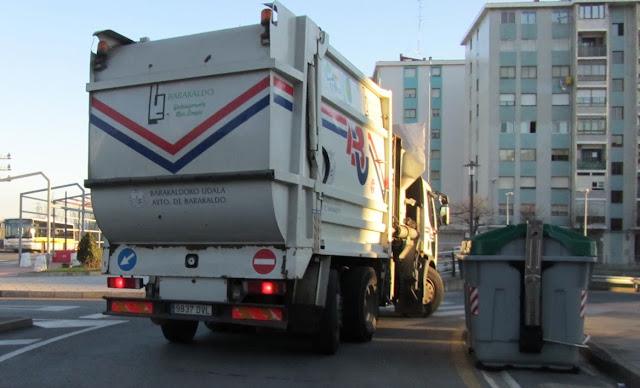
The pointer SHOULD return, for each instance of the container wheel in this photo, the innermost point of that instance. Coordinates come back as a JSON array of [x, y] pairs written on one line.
[[360, 304], [434, 288], [327, 339], [179, 331]]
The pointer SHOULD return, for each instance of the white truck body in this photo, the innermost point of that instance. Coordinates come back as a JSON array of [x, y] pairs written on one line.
[[255, 152]]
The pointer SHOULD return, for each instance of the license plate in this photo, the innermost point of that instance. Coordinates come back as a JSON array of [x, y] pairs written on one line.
[[190, 309]]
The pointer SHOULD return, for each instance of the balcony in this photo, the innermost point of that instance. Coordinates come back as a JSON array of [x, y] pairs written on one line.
[[591, 157], [592, 51], [592, 165]]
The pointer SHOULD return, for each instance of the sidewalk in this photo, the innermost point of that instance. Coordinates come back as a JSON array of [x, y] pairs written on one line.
[[615, 333]]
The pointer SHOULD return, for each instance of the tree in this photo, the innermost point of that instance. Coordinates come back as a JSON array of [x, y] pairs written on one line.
[[482, 213], [88, 252]]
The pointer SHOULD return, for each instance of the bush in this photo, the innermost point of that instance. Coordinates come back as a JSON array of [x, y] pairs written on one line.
[[88, 252]]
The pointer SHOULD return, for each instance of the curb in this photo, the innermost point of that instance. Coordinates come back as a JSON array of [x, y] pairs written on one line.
[[610, 364], [13, 323]]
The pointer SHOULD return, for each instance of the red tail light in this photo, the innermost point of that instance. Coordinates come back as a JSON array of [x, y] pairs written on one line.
[[121, 282], [268, 287]]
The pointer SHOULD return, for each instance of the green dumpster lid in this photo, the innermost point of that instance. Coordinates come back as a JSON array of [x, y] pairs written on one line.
[[492, 242]]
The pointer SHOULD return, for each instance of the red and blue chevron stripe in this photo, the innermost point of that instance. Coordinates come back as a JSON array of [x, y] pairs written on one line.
[[129, 133]]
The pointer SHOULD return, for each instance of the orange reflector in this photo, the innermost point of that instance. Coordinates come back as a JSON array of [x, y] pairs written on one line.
[[103, 47], [265, 16], [257, 313], [131, 306]]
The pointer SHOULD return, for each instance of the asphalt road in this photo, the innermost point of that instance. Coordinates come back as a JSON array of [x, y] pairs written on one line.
[[72, 344]]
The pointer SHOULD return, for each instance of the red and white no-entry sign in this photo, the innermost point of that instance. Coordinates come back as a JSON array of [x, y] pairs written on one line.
[[264, 261]]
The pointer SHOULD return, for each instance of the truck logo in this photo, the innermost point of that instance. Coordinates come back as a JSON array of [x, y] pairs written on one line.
[[355, 148], [156, 104], [356, 141]]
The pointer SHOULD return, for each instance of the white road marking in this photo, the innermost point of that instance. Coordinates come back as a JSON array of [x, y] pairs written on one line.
[[25, 341], [451, 313], [97, 325], [511, 382], [94, 316], [63, 323], [39, 308]]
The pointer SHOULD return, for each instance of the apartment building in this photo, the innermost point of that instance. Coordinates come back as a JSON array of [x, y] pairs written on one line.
[[552, 117], [431, 92]]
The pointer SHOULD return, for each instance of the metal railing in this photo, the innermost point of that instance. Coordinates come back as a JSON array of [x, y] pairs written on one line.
[[448, 263]]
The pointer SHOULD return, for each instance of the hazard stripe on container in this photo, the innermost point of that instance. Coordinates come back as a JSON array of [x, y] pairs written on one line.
[[473, 300], [583, 303], [257, 313]]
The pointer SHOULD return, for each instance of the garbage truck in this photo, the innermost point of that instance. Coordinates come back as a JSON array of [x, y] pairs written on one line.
[[251, 177]]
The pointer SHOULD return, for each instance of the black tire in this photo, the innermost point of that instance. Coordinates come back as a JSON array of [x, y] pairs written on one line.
[[179, 331], [327, 339], [360, 304], [434, 287]]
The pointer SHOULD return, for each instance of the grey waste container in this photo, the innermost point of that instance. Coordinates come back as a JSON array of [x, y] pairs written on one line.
[[525, 295]]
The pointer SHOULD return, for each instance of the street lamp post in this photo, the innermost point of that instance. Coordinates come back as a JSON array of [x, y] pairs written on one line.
[[472, 171], [586, 208], [11, 178], [508, 195]]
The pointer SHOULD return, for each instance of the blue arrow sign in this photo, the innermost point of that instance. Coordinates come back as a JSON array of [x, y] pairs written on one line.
[[127, 259]]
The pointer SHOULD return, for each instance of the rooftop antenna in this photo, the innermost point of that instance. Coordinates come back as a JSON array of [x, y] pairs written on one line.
[[419, 25]]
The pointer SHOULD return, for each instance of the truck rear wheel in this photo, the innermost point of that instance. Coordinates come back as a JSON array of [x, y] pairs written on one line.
[[179, 331], [327, 339], [360, 307]]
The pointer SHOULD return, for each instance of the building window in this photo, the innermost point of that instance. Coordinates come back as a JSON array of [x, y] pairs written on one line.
[[527, 182], [617, 113], [528, 127], [410, 93], [477, 109], [598, 186], [502, 209], [409, 113], [507, 99], [560, 17], [592, 97], [528, 210], [435, 134], [592, 71], [618, 29], [617, 168], [617, 85], [507, 45], [471, 43], [435, 93], [528, 155], [560, 155], [435, 175], [506, 183], [477, 84], [529, 72], [616, 224], [616, 196], [560, 99], [435, 71], [528, 99], [409, 72], [470, 68], [591, 11], [508, 17], [528, 45], [507, 155], [435, 154], [507, 127], [560, 210], [560, 127], [617, 57], [559, 182], [507, 72], [528, 18], [559, 71], [592, 126], [435, 112], [617, 140]]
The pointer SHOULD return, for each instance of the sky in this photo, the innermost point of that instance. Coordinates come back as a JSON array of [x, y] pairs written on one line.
[[44, 64]]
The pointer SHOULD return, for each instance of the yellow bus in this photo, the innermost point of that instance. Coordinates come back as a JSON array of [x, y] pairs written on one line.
[[64, 236]]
